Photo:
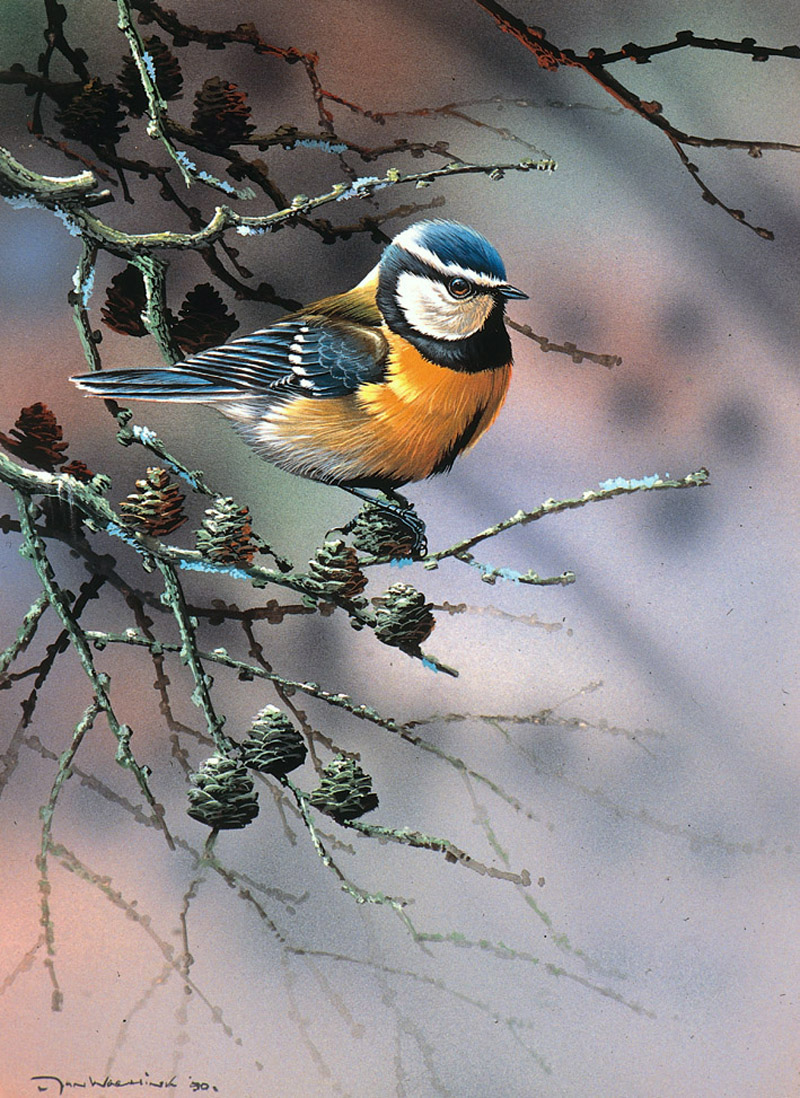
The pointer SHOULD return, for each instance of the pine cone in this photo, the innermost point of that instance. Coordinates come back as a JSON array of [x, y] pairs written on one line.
[[222, 794], [382, 532], [336, 566], [125, 302], [169, 78], [80, 470], [274, 746], [156, 508], [345, 791], [403, 618], [221, 113], [204, 320], [37, 437], [93, 115], [225, 535]]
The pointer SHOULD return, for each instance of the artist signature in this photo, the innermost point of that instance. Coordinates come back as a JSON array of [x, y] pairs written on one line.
[[54, 1084]]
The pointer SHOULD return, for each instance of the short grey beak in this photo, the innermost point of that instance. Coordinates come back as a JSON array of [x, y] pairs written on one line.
[[512, 291]]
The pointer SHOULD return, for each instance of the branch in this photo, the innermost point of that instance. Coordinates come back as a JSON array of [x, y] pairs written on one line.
[[25, 635], [576, 354], [100, 515], [360, 895], [18, 183], [59, 600], [451, 852], [103, 517], [132, 245], [610, 488], [57, 42], [46, 812], [174, 598], [157, 109], [248, 671], [248, 34], [552, 57], [683, 39]]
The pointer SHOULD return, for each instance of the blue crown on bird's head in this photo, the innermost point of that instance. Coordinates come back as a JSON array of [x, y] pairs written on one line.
[[454, 244]]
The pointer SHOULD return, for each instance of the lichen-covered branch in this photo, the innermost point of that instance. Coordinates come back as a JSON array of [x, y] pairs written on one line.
[[157, 109], [102, 516], [248, 671], [133, 245], [201, 696], [18, 183], [360, 895], [406, 837], [619, 486], [25, 634]]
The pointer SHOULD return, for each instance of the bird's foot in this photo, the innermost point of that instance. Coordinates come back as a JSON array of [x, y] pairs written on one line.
[[387, 526]]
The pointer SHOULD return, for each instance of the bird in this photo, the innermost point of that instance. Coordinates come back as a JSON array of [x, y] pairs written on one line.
[[380, 386]]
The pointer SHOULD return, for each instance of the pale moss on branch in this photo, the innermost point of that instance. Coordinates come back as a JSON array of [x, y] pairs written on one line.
[[130, 245], [619, 486]]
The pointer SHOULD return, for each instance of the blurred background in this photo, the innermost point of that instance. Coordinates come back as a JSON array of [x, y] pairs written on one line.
[[631, 739]]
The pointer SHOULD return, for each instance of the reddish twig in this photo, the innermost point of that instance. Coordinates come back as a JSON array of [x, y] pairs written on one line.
[[552, 57], [248, 34]]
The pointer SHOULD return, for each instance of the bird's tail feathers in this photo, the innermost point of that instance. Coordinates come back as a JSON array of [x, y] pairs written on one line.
[[164, 385]]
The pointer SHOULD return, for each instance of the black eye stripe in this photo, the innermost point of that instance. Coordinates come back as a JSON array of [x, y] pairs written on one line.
[[405, 261]]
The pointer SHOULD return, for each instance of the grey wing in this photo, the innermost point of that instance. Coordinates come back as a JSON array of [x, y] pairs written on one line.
[[313, 356]]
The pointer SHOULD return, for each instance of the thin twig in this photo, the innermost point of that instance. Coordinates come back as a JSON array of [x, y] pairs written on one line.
[[617, 487], [58, 599], [551, 57], [46, 812], [575, 353], [452, 853], [201, 696], [360, 895], [25, 634]]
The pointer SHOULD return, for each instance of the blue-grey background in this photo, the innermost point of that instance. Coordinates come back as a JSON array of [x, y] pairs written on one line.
[[654, 794]]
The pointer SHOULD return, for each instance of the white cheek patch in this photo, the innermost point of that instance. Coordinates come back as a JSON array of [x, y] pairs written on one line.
[[429, 308]]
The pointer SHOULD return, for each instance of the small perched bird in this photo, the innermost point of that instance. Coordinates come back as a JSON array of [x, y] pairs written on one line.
[[384, 384]]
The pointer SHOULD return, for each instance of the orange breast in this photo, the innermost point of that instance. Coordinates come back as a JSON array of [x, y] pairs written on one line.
[[402, 429]]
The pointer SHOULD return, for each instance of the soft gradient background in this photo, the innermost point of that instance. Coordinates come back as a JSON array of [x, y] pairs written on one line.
[[656, 953]]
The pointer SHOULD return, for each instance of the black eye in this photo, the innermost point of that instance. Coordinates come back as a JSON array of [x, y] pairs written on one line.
[[459, 288]]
